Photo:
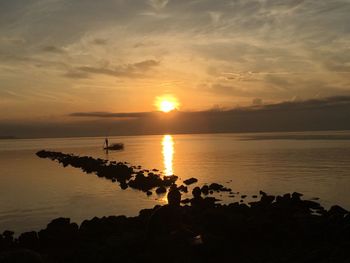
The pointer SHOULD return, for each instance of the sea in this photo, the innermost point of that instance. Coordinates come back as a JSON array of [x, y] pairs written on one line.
[[34, 191]]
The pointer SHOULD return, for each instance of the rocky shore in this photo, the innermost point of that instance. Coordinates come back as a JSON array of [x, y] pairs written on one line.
[[272, 229], [193, 229]]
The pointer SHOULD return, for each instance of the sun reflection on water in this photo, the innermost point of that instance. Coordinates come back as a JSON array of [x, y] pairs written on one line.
[[168, 153]]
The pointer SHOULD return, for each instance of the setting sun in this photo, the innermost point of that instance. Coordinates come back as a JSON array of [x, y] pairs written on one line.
[[167, 103]]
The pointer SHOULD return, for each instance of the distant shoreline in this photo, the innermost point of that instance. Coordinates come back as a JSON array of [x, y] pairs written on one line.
[[8, 138], [172, 133]]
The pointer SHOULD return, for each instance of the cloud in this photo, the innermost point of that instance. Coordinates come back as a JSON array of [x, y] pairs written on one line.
[[309, 115], [110, 114], [240, 49], [136, 70], [158, 4], [322, 103], [76, 74], [257, 102], [227, 89], [13, 41], [10, 95], [53, 49], [215, 16], [319, 114], [100, 41], [221, 89]]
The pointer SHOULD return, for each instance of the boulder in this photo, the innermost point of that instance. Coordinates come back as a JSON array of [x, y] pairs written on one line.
[[205, 189], [183, 188], [29, 240], [190, 181], [161, 190]]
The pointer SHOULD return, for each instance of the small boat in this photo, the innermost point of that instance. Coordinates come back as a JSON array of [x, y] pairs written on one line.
[[115, 146]]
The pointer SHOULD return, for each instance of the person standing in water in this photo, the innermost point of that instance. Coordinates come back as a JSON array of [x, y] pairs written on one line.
[[106, 143]]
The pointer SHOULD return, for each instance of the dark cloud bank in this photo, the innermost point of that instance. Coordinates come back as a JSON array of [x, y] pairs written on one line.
[[312, 115]]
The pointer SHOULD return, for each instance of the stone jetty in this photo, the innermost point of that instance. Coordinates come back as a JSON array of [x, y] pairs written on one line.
[[125, 175]]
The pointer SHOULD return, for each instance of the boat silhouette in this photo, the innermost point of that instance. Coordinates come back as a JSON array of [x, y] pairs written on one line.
[[114, 146]]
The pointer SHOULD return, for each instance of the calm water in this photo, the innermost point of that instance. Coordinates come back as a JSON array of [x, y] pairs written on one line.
[[34, 191]]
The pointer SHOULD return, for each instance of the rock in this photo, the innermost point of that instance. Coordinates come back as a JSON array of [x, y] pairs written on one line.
[[190, 181], [161, 190], [255, 230], [123, 185], [149, 193], [29, 240], [286, 196], [310, 204], [59, 233], [210, 201], [174, 196], [183, 189], [205, 189], [337, 210], [196, 192], [169, 180], [21, 256], [296, 196], [186, 201], [215, 187], [121, 172], [218, 188], [8, 235], [267, 199]]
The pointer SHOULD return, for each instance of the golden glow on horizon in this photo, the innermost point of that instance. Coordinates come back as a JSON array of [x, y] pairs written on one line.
[[168, 153], [167, 103]]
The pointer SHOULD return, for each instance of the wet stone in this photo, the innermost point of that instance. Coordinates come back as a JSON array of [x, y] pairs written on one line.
[[190, 181], [161, 190], [183, 188]]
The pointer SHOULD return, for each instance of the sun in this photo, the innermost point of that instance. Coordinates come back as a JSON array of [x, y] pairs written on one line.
[[166, 103], [166, 106]]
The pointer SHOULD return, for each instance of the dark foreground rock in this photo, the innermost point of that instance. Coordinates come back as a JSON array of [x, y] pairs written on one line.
[[272, 229]]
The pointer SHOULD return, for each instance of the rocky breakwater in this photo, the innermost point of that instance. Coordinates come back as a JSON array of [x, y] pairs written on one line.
[[125, 175], [273, 229]]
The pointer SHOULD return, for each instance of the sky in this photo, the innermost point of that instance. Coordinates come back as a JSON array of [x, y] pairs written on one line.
[[59, 57]]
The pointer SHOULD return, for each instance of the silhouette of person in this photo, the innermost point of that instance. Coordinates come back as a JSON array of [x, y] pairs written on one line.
[[167, 218], [106, 142], [169, 226], [174, 196]]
